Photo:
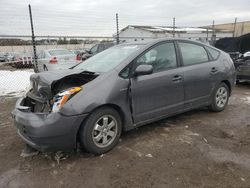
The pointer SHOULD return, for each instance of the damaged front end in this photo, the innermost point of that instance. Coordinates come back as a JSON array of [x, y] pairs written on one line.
[[46, 96], [37, 115]]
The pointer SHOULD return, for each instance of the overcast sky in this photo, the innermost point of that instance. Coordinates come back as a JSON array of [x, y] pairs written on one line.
[[97, 17]]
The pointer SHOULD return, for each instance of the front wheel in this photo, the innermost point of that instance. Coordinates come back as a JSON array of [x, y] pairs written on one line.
[[101, 131], [220, 98]]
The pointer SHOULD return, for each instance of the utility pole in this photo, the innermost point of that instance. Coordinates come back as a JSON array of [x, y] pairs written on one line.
[[213, 38], [207, 35], [117, 29], [174, 27], [33, 40], [242, 28], [235, 22], [213, 28]]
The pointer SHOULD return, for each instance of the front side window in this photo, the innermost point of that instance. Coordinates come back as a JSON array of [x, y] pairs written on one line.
[[161, 57], [192, 53]]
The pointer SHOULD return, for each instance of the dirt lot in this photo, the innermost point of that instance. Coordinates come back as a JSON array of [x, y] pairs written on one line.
[[195, 149]]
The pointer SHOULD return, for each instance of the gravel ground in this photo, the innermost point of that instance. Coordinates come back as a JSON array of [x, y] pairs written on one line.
[[195, 149]]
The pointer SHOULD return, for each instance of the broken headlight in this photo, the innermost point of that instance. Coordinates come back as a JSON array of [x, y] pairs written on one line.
[[62, 97]]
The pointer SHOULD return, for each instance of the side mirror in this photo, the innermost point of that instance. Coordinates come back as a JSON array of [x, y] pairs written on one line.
[[246, 55], [143, 70]]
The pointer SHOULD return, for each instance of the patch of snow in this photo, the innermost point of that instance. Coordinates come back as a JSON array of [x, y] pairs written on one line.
[[149, 155], [14, 83], [246, 100]]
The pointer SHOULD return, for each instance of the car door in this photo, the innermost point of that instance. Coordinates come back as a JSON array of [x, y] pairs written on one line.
[[199, 73], [160, 93]]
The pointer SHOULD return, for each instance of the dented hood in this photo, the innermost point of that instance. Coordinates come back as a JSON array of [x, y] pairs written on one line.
[[49, 83], [48, 77]]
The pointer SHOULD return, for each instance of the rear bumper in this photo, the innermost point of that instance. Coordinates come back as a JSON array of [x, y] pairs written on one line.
[[47, 132]]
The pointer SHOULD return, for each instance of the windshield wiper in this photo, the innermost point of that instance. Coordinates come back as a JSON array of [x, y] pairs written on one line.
[[73, 66]]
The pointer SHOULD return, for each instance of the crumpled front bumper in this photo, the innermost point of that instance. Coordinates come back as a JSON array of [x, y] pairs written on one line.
[[46, 131]]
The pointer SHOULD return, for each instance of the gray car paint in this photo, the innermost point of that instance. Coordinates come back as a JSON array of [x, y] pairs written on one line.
[[139, 100]]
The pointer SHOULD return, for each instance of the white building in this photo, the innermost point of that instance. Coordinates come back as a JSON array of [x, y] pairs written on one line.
[[138, 33]]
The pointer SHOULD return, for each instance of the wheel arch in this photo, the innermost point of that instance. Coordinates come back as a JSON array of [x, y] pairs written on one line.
[[115, 107], [110, 105], [228, 85]]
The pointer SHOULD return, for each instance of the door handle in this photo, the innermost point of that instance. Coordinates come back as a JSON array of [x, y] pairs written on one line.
[[214, 70], [176, 78]]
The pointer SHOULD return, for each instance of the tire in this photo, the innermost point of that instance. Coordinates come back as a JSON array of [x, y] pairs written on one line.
[[219, 98], [45, 68], [96, 132]]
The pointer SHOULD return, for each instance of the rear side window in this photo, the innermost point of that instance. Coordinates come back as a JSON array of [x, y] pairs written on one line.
[[192, 53], [101, 47], [214, 53]]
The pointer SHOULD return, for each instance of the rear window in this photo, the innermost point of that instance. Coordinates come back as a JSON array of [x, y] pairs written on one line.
[[60, 52], [214, 53]]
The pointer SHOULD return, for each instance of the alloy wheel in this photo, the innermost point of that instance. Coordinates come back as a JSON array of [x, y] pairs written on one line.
[[105, 131], [221, 97]]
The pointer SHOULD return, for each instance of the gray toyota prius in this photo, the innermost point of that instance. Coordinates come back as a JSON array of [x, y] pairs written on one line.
[[119, 89]]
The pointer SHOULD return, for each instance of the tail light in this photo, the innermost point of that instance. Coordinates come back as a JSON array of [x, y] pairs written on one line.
[[78, 57], [53, 60], [19, 59]]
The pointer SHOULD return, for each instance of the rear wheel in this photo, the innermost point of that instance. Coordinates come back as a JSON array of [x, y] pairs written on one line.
[[101, 131], [220, 98]]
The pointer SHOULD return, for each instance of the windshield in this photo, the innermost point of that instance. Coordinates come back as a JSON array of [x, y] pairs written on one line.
[[60, 52], [108, 59]]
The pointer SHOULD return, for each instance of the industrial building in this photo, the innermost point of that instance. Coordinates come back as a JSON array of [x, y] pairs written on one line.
[[137, 33]]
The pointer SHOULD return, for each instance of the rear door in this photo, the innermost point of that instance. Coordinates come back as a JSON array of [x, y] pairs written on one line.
[[160, 93], [199, 73]]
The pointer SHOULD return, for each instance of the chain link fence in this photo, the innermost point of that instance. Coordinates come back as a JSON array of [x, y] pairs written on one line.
[[17, 61]]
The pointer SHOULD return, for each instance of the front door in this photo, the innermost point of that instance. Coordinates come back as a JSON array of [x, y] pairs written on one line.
[[160, 93]]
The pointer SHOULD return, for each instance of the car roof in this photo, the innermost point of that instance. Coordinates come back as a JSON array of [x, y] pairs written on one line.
[[152, 41], [155, 41]]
